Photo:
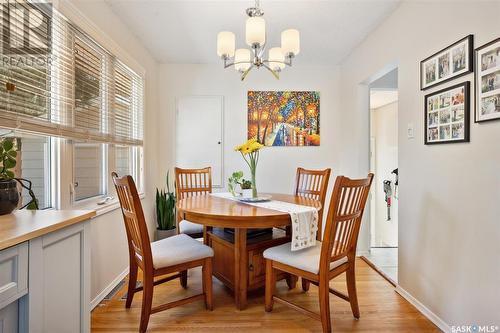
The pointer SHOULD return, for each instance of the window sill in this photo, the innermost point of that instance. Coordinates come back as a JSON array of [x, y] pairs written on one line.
[[103, 209]]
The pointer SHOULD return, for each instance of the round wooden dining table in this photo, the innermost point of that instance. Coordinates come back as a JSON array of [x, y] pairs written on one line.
[[232, 255]]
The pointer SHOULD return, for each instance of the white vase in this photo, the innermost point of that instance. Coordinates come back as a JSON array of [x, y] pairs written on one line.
[[246, 193]]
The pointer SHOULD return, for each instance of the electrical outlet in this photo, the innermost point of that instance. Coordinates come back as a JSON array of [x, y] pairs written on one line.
[[410, 133]]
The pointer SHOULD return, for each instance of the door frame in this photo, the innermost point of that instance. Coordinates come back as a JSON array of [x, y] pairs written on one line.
[[367, 112]]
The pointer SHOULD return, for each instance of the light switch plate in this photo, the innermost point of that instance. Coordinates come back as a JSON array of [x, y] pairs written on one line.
[[410, 132]]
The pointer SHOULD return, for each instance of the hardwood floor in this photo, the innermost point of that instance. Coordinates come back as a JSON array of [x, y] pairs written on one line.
[[382, 310]]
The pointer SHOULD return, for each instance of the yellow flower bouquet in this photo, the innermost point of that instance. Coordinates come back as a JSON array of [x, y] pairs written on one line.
[[250, 153]]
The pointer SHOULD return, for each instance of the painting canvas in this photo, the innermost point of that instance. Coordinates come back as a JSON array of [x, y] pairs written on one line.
[[284, 118]]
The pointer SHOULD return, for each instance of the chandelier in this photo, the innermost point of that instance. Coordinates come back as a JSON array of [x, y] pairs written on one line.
[[244, 60]]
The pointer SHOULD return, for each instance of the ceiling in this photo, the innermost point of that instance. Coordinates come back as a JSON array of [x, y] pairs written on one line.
[[185, 31]]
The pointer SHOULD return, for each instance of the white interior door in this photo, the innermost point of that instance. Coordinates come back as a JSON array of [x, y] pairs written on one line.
[[199, 134]]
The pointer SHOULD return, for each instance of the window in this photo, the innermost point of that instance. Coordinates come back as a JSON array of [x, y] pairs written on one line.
[[33, 164], [25, 69], [88, 87], [123, 160], [128, 162], [128, 105], [83, 106], [89, 170]]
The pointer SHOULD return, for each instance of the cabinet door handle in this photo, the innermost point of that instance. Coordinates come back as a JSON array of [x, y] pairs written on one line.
[[250, 267]]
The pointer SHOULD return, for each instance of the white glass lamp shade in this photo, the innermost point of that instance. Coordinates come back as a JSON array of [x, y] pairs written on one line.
[[290, 42], [255, 31], [225, 44], [276, 59], [244, 56]]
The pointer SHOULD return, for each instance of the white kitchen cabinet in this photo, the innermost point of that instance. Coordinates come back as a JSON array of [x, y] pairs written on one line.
[[13, 273], [59, 281], [45, 271], [9, 318]]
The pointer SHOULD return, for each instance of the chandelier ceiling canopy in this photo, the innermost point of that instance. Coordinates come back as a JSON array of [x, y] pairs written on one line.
[[244, 59]]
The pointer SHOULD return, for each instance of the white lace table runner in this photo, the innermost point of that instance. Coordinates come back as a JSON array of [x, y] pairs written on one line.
[[304, 219]]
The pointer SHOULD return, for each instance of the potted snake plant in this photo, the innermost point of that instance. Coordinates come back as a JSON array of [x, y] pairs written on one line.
[[9, 194], [165, 212]]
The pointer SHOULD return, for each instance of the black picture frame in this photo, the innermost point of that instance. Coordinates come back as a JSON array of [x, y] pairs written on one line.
[[450, 123], [469, 67], [477, 81]]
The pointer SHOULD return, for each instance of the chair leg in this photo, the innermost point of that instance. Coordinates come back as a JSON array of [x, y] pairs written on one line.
[[324, 305], [147, 300], [132, 283], [351, 290], [305, 284], [184, 279], [291, 281], [207, 283], [270, 284]]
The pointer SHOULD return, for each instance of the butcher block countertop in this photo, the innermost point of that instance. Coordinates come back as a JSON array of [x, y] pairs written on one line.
[[23, 225]]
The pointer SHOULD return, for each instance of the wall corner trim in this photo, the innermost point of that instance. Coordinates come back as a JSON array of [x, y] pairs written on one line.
[[440, 323], [95, 302]]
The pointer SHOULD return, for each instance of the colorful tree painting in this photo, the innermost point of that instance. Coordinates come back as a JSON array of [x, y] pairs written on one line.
[[284, 118]]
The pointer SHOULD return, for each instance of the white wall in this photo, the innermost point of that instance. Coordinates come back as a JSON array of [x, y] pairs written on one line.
[[449, 225], [277, 165], [385, 132], [109, 245]]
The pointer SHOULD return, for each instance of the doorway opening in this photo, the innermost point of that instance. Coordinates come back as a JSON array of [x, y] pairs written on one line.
[[384, 164]]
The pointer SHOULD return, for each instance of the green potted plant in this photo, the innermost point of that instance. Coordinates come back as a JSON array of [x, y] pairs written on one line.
[[246, 188], [9, 195], [165, 212], [234, 181]]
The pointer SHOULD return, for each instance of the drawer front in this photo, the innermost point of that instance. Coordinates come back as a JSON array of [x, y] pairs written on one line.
[[13, 273]]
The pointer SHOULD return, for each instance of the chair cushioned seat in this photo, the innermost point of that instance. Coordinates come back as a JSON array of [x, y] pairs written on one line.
[[305, 259], [178, 249], [186, 227]]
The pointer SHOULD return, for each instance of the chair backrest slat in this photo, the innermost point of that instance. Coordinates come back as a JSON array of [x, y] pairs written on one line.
[[192, 182], [344, 219], [313, 184], [135, 223]]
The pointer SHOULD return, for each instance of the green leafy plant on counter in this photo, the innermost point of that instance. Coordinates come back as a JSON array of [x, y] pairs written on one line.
[[8, 157]]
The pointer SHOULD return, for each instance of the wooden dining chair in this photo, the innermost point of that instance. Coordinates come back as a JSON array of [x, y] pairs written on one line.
[[313, 184], [329, 258], [170, 255], [189, 183]]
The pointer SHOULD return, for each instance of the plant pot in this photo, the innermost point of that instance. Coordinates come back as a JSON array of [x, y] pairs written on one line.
[[9, 196], [161, 234], [246, 193]]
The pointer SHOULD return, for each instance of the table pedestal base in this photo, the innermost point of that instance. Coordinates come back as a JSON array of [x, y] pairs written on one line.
[[238, 261]]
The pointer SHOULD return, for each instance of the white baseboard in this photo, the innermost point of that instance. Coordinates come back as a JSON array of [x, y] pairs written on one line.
[[440, 323], [108, 289]]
